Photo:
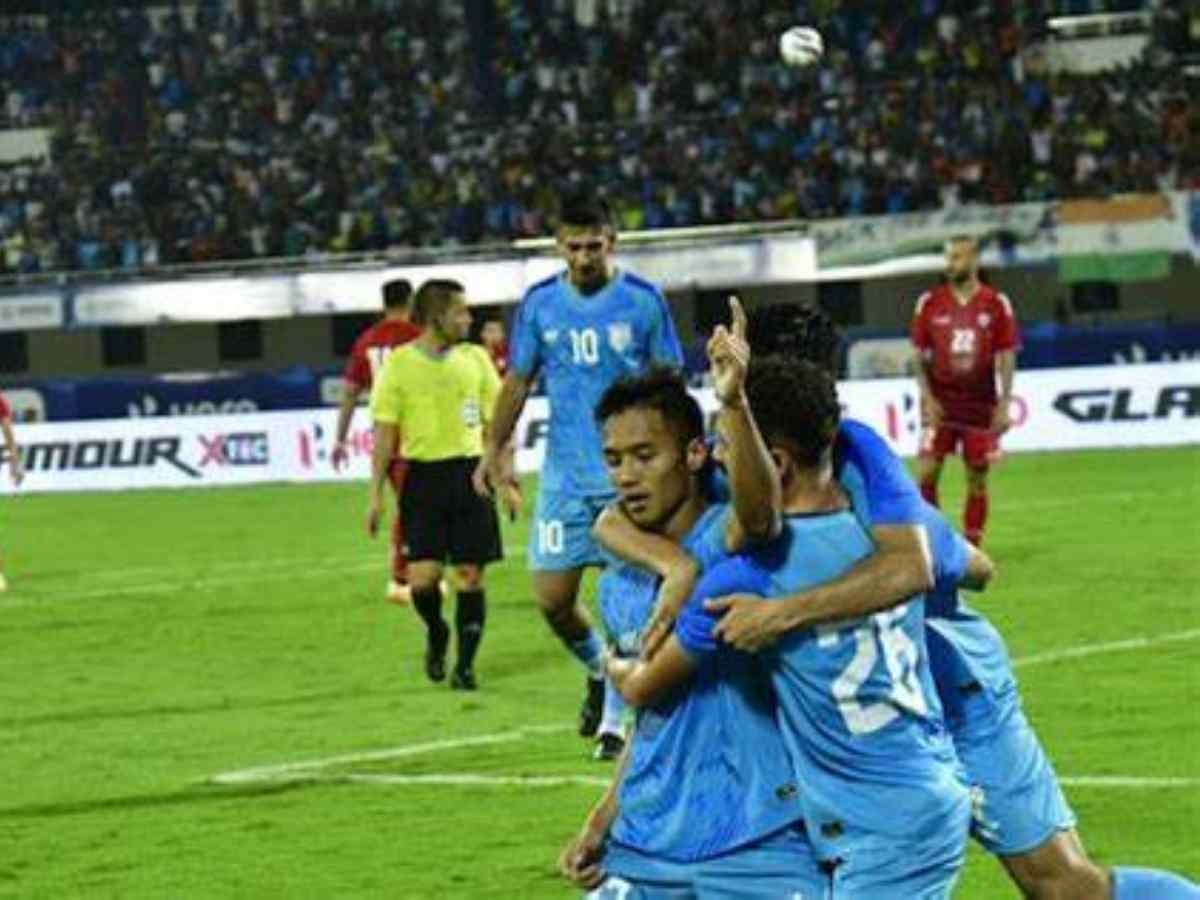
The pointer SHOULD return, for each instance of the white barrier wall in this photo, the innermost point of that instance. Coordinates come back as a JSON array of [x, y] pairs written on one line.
[[1053, 409]]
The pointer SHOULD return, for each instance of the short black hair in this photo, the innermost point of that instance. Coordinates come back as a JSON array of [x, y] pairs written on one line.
[[584, 211], [433, 298], [659, 388], [795, 330], [397, 293], [795, 403]]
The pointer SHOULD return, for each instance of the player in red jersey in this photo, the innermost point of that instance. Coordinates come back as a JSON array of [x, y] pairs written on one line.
[[366, 361], [966, 341], [15, 470], [493, 338]]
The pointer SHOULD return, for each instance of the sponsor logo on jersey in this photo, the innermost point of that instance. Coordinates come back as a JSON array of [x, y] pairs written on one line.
[[620, 336], [941, 320]]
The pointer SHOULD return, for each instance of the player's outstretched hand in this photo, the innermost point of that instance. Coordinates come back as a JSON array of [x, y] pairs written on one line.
[[340, 456], [673, 593], [749, 622], [580, 860], [729, 355], [374, 516]]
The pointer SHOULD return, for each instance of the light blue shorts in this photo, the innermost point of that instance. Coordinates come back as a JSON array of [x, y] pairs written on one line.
[[1019, 804], [781, 866], [876, 866], [561, 536]]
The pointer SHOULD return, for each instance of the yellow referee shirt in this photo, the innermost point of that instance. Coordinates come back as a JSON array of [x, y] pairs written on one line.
[[438, 403]]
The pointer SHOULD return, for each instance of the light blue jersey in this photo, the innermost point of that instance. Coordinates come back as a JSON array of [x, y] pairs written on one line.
[[856, 699], [708, 771], [580, 345], [626, 596], [1019, 802]]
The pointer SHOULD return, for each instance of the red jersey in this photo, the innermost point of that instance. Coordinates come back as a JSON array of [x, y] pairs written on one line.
[[372, 349], [961, 341], [5, 410], [499, 354]]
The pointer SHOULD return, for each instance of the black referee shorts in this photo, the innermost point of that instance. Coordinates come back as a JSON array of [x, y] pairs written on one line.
[[444, 519]]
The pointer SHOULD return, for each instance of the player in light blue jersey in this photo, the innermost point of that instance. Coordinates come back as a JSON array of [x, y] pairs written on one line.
[[1023, 817], [579, 332], [883, 804], [706, 804]]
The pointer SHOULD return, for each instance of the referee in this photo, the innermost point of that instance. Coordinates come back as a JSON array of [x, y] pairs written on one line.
[[438, 392]]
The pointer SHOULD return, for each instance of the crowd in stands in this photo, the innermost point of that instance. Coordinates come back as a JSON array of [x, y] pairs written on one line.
[[371, 124]]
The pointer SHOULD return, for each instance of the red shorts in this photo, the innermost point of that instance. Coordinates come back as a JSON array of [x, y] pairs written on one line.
[[980, 446]]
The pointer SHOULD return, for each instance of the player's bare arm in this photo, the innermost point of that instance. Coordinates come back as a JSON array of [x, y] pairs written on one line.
[[580, 859], [931, 410], [386, 438], [900, 567], [642, 682], [16, 471], [495, 468], [654, 553], [757, 497], [1006, 367], [350, 394]]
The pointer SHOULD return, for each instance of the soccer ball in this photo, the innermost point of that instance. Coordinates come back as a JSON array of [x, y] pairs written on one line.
[[800, 46]]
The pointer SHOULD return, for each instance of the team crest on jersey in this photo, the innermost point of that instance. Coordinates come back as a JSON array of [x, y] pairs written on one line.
[[550, 335], [984, 320], [620, 336]]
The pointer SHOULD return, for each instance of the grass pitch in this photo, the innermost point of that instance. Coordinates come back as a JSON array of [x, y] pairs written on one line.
[[154, 640]]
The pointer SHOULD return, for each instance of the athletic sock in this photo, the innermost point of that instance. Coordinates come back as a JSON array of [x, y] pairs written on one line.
[[1151, 884], [929, 490], [469, 616], [428, 603], [975, 516], [614, 711], [589, 651]]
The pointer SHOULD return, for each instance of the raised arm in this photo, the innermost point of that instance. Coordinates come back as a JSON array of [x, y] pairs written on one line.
[[756, 495]]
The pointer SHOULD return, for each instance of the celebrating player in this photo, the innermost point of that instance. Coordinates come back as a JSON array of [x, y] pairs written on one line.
[[966, 339], [15, 470], [366, 361], [580, 331], [438, 392], [883, 806]]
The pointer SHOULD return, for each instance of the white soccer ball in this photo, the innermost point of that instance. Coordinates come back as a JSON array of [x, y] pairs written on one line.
[[800, 46]]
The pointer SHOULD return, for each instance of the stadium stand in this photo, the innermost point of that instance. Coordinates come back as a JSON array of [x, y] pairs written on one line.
[[383, 123]]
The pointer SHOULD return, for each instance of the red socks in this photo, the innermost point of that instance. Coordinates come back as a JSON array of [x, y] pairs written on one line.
[[975, 516]]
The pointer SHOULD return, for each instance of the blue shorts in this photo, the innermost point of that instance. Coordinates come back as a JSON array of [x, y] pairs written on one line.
[[877, 866], [1019, 804], [561, 536], [781, 866]]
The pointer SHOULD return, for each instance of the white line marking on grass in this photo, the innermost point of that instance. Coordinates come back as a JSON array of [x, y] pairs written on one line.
[[314, 770], [1082, 650], [301, 771], [1125, 781]]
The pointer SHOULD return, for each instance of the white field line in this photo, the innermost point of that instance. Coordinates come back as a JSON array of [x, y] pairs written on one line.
[[302, 771], [1082, 650], [314, 770]]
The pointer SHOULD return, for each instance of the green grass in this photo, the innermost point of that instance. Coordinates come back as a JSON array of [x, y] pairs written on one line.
[[152, 640]]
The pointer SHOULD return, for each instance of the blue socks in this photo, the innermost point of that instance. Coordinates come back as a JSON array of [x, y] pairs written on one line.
[[1151, 884]]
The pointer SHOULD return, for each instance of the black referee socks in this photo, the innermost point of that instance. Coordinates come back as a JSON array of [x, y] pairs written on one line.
[[468, 621], [428, 604]]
